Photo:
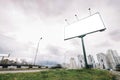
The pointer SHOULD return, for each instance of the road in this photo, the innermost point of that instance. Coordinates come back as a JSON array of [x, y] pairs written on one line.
[[22, 71]]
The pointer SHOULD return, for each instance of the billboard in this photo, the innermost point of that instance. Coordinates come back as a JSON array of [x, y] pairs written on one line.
[[84, 26]]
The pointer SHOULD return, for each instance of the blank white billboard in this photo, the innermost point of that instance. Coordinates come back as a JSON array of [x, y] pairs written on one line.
[[84, 26]]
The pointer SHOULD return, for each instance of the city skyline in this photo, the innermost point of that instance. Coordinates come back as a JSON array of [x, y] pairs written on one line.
[[109, 59], [22, 23]]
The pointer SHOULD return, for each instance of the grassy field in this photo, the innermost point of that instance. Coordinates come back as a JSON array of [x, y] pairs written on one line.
[[57, 74]]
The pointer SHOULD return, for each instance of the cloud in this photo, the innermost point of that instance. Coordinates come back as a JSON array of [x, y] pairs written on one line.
[[43, 7], [54, 50], [10, 45], [104, 44], [115, 35], [76, 42], [114, 3]]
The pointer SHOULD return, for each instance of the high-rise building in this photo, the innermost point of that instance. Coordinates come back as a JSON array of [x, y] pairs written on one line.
[[91, 61], [81, 62], [113, 58], [72, 63], [103, 64]]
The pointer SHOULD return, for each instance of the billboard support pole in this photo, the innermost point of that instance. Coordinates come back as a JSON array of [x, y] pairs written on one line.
[[84, 52]]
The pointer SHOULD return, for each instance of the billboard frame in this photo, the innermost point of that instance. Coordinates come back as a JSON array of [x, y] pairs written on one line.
[[91, 31]]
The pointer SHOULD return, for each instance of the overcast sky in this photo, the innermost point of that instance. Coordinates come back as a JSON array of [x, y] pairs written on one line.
[[23, 22]]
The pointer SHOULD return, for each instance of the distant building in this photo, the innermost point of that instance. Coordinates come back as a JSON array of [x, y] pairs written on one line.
[[97, 65], [91, 61], [103, 64], [105, 61], [65, 65], [113, 58], [81, 63], [72, 64]]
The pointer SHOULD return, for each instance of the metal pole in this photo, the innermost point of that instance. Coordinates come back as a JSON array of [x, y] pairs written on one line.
[[84, 52], [37, 50]]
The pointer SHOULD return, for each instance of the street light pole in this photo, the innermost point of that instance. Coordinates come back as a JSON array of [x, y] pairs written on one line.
[[37, 50]]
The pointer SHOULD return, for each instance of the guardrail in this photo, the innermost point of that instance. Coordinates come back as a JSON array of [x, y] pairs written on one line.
[[15, 66]]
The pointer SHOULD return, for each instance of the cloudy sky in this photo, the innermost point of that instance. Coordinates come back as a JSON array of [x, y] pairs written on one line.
[[23, 22]]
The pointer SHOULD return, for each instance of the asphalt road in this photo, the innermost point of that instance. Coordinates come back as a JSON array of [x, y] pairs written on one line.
[[22, 71]]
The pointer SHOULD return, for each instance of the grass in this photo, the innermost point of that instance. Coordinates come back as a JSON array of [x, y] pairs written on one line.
[[82, 74]]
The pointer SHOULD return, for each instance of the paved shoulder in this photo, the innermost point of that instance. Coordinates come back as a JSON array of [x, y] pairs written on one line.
[[22, 71]]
